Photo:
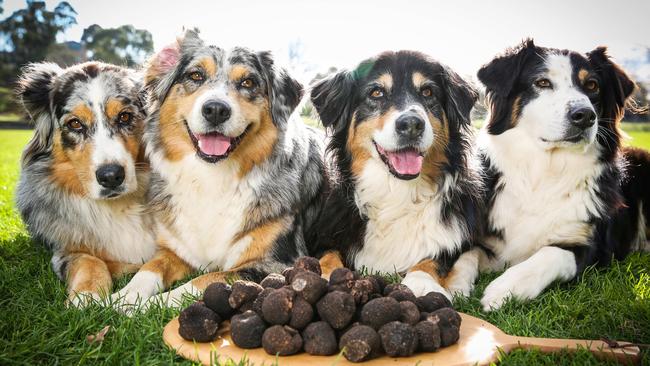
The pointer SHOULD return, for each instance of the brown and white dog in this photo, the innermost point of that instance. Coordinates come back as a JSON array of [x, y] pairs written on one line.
[[83, 178], [407, 195], [236, 179]]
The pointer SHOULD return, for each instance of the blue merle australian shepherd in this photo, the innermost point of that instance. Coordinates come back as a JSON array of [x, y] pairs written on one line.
[[236, 177], [562, 193], [406, 195], [83, 179]]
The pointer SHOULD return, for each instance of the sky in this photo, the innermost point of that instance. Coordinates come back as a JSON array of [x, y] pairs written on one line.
[[339, 33]]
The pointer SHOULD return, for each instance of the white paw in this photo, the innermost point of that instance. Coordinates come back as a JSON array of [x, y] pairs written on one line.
[[421, 283], [460, 287], [171, 299], [142, 286], [82, 299], [512, 283]]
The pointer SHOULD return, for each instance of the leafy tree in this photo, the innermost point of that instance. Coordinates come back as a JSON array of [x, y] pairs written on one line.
[[124, 45], [29, 32]]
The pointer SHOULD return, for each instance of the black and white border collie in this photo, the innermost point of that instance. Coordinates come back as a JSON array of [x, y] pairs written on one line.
[[236, 176], [407, 191], [552, 154], [84, 177]]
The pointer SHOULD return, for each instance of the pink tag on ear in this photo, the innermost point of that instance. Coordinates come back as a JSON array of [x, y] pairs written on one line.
[[168, 57]]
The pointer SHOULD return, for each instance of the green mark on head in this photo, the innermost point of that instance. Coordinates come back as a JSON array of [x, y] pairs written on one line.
[[363, 69]]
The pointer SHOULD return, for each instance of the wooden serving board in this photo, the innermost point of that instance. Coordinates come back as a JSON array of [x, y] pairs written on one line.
[[478, 344]]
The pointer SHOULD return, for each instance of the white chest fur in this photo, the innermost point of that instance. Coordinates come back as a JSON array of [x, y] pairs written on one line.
[[209, 206], [404, 221], [545, 197]]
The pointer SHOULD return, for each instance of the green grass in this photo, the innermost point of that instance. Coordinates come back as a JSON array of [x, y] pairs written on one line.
[[36, 328], [10, 117]]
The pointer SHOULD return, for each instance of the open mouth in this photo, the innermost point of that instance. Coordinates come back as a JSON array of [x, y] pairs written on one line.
[[214, 146], [405, 163]]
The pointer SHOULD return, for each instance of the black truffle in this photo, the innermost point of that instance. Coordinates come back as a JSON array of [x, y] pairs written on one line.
[[243, 292], [273, 280], [309, 285], [247, 329], [428, 336], [289, 273], [310, 264], [379, 281], [432, 302], [276, 307], [398, 339], [216, 297], [301, 313], [380, 311], [319, 339], [403, 295], [337, 308], [198, 323], [259, 300], [395, 286], [409, 312], [448, 321], [360, 343], [341, 276], [362, 289], [281, 340]]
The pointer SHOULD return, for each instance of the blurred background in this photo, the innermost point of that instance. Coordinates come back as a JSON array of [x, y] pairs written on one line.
[[314, 38]]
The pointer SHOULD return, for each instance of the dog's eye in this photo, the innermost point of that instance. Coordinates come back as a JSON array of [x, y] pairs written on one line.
[[247, 83], [196, 76], [426, 92], [125, 118], [75, 125], [543, 83], [377, 93], [591, 85]]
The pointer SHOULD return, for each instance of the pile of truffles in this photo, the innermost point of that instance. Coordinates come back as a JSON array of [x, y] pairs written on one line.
[[299, 310]]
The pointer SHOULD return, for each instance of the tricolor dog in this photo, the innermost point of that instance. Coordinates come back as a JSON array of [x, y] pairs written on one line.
[[407, 192], [236, 179], [83, 180], [556, 172]]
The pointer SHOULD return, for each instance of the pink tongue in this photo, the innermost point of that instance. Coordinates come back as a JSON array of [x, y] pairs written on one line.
[[407, 162], [213, 144]]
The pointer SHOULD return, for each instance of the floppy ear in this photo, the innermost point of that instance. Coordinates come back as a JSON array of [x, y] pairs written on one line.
[[331, 97], [33, 92], [499, 77], [616, 85], [460, 98], [162, 68], [284, 91]]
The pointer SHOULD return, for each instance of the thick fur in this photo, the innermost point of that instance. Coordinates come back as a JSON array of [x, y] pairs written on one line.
[[375, 216], [95, 232], [243, 214], [553, 189]]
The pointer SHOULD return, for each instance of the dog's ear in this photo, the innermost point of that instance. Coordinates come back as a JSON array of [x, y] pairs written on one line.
[[332, 98], [460, 98], [499, 77], [284, 91], [33, 91], [162, 69], [616, 86]]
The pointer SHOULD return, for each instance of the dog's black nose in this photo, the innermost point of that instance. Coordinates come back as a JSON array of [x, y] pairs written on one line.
[[409, 125], [582, 117], [110, 175], [216, 112]]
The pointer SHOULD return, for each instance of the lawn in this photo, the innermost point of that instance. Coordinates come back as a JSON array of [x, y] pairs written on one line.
[[36, 328]]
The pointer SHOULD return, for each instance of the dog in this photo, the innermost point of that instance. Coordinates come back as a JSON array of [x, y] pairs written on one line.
[[555, 170], [83, 181], [406, 193], [236, 177]]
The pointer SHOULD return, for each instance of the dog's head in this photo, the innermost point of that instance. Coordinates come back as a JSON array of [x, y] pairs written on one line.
[[89, 120], [216, 103], [400, 108], [559, 97]]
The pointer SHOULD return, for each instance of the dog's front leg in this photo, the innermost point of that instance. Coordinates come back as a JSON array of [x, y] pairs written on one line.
[[424, 278], [87, 276], [156, 275], [529, 278]]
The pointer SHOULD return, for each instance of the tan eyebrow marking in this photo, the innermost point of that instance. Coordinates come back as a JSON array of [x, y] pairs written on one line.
[[208, 64], [83, 112]]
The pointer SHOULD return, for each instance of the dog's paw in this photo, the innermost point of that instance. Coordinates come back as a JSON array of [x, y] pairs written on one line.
[[421, 283], [460, 287], [83, 299], [512, 283], [171, 299], [129, 299]]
